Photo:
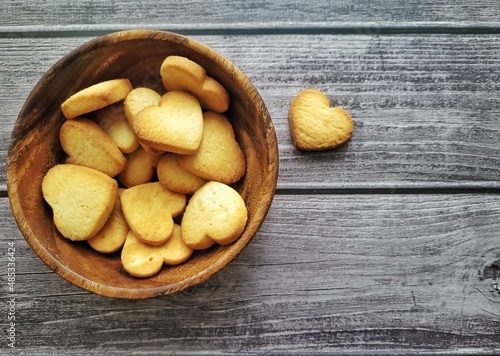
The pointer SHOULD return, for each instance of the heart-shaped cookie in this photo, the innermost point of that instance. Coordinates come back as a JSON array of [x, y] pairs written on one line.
[[81, 199], [215, 213], [112, 235], [316, 126], [172, 176], [139, 259], [181, 73], [219, 157], [140, 169], [149, 210], [175, 250], [142, 260], [89, 145], [138, 99], [95, 97], [174, 126], [113, 121]]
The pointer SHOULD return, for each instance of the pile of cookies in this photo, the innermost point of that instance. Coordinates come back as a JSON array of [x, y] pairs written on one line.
[[149, 173]]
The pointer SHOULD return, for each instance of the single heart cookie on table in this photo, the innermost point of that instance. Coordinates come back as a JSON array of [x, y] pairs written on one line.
[[316, 126]]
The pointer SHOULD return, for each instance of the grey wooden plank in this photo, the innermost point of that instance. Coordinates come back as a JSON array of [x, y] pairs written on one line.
[[425, 106], [325, 274], [225, 14]]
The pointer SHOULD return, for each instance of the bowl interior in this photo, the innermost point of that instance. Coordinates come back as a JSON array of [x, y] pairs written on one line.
[[136, 55]]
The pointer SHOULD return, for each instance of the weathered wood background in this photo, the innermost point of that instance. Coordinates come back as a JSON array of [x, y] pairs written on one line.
[[388, 245]]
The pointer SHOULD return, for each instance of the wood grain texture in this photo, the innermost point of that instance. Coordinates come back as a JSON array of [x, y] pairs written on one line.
[[349, 272], [326, 274], [425, 106], [225, 14]]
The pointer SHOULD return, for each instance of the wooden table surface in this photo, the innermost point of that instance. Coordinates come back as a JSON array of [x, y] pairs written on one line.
[[387, 245]]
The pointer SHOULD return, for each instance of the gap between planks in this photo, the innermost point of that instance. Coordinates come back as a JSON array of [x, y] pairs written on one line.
[[369, 28], [449, 189], [384, 188]]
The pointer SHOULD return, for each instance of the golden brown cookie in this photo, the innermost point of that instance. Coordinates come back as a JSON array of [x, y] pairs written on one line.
[[88, 145], [140, 169], [149, 210], [219, 156], [138, 99], [113, 121], [181, 73], [172, 176], [95, 97], [175, 126], [140, 259], [175, 251], [81, 199], [113, 234], [143, 260], [215, 213], [315, 125]]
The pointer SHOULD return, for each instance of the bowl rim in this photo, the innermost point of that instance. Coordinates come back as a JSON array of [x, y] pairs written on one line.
[[77, 279]]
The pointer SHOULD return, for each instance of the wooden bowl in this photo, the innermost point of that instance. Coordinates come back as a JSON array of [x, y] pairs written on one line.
[[35, 147]]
